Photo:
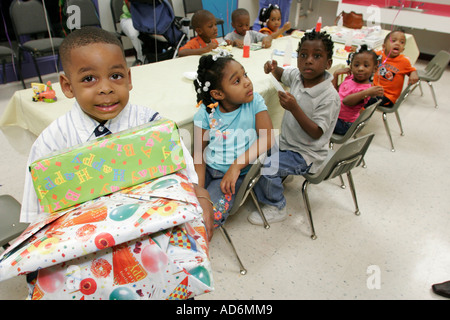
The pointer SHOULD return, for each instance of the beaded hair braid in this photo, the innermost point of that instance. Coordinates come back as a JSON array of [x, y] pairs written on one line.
[[364, 48], [264, 14], [209, 77]]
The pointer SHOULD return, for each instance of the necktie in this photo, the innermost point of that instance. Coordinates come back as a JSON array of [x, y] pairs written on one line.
[[101, 131]]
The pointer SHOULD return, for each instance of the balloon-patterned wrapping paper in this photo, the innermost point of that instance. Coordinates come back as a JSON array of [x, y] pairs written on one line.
[[143, 242]]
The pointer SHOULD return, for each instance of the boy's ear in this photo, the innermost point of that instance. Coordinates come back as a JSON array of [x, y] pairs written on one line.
[[199, 31], [217, 94], [130, 84], [66, 87], [329, 63]]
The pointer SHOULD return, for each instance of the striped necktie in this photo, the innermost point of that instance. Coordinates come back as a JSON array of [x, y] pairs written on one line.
[[101, 130]]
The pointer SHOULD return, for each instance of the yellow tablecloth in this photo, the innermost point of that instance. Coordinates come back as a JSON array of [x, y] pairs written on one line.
[[163, 87]]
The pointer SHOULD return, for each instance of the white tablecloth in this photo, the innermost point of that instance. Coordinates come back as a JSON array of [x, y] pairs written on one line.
[[163, 87]]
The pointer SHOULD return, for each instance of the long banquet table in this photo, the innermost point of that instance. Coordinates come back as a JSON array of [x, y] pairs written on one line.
[[164, 87]]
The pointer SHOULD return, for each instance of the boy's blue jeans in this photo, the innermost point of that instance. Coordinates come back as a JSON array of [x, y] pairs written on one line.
[[279, 164], [222, 202]]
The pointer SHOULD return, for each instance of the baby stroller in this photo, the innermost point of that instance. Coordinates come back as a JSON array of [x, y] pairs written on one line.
[[160, 31]]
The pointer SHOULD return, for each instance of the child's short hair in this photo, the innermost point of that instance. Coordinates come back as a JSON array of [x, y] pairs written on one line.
[[264, 13], [239, 12], [83, 37], [200, 17], [388, 36], [362, 49], [323, 36], [209, 77]]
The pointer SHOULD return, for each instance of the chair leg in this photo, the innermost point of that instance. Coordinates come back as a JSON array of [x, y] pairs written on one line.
[[386, 126], [37, 68], [19, 68], [342, 182], [397, 115], [225, 234], [308, 208], [420, 87], [261, 213], [433, 94], [352, 188]]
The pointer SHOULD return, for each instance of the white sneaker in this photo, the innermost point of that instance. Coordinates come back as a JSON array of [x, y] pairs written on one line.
[[272, 214]]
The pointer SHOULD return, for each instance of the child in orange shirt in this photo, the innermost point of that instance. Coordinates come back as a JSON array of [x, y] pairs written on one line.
[[204, 24], [394, 66], [270, 19]]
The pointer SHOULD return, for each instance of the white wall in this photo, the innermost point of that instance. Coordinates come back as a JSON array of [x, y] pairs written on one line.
[[427, 41]]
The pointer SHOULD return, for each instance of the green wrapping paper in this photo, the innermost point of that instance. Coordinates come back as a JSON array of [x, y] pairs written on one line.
[[107, 165]]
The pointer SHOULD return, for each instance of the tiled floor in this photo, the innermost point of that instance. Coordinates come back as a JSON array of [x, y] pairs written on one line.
[[396, 249]]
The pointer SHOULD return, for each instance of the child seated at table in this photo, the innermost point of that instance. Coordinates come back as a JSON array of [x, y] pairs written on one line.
[[240, 21], [270, 19], [356, 89], [311, 111], [394, 66], [205, 25], [231, 129], [97, 76]]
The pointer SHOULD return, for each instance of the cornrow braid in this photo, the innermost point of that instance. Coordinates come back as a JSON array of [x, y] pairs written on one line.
[[323, 36], [209, 77]]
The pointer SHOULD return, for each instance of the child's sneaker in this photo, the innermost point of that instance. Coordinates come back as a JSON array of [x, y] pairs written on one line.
[[272, 214]]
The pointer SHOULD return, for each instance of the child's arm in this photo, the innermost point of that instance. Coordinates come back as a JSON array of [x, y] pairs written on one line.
[[208, 211], [190, 52], [199, 148], [413, 77], [272, 66], [264, 142], [356, 98], [289, 103], [336, 75], [280, 31]]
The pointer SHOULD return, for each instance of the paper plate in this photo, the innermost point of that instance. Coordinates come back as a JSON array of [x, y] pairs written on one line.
[[192, 75]]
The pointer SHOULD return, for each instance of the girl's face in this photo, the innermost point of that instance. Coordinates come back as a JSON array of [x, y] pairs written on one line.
[[274, 21], [237, 88], [363, 67], [312, 62]]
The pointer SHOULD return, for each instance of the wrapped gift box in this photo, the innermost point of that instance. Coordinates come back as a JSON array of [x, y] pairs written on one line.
[[107, 164], [134, 230], [143, 242]]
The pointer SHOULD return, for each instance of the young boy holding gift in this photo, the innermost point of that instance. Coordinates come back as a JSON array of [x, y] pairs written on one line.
[[97, 76]]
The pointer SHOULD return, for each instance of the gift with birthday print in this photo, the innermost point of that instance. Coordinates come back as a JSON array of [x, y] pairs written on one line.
[[145, 239]]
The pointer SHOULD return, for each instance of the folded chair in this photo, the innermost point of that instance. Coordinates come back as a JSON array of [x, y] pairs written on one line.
[[246, 188], [10, 227], [394, 109], [32, 31], [433, 71], [347, 157], [5, 53], [354, 129]]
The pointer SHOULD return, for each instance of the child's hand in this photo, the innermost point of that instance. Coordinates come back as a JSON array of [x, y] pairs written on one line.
[[287, 101], [238, 43], [270, 65], [266, 42], [375, 91], [413, 77], [228, 183], [286, 26], [212, 45], [229, 42], [342, 71]]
